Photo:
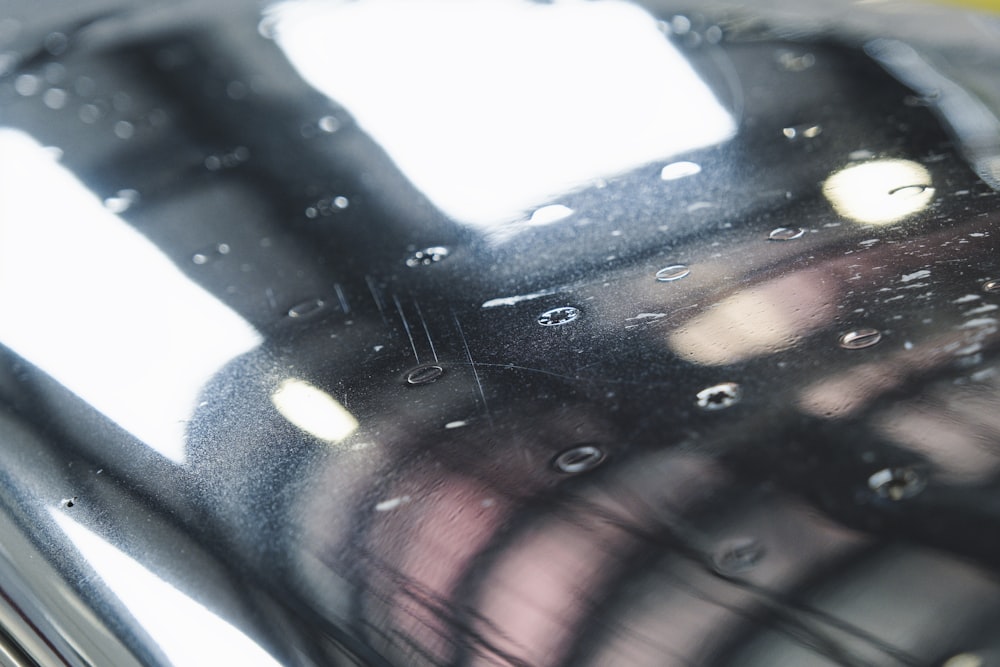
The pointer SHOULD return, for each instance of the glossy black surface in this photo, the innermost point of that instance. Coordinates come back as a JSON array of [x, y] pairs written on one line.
[[265, 402]]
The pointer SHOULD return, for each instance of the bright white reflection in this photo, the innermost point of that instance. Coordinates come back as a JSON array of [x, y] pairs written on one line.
[[183, 629], [314, 411], [881, 191], [99, 308], [491, 108]]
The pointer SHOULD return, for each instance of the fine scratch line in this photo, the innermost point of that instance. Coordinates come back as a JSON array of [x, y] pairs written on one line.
[[377, 297], [406, 325], [343, 300], [468, 353], [423, 321]]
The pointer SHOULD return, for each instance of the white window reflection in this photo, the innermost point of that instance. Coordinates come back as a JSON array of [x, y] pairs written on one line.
[[494, 107], [880, 191], [314, 411], [182, 628], [98, 307]]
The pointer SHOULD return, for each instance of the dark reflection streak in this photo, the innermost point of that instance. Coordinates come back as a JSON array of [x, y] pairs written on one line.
[[782, 605], [462, 633]]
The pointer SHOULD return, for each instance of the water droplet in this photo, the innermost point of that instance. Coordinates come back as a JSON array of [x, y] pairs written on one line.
[[456, 424], [713, 34], [862, 154], [340, 202], [124, 129], [549, 214], [719, 396], [55, 98], [306, 308], [670, 273], [27, 85], [964, 660], [794, 63], [424, 374], [676, 170], [910, 191], [680, 25], [579, 459], [329, 124], [897, 483], [796, 132], [558, 316], [427, 256], [860, 338], [122, 201], [991, 286], [738, 556], [56, 43], [785, 233]]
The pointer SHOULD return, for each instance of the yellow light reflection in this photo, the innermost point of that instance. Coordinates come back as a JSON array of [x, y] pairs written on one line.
[[186, 631], [99, 308], [314, 411], [493, 108], [880, 191], [757, 321]]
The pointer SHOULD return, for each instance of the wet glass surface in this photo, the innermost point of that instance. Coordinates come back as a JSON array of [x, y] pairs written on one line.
[[582, 333]]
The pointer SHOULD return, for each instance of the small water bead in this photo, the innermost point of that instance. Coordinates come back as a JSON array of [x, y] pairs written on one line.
[[738, 556], [719, 396], [558, 316], [579, 459], [204, 256], [306, 308], [329, 124], [424, 374], [427, 256], [797, 132], [860, 338], [992, 286], [785, 233], [897, 483], [55, 98], [122, 201], [676, 170], [674, 272], [124, 129]]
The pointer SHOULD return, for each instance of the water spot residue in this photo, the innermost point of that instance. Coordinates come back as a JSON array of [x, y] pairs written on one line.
[[797, 132], [719, 396], [859, 339], [549, 214], [897, 483], [785, 233], [306, 308], [916, 275], [579, 459], [424, 374], [738, 556], [673, 272], [391, 504], [427, 256]]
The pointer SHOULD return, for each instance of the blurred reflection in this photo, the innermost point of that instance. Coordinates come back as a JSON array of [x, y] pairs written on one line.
[[99, 308], [881, 191], [314, 411], [186, 631], [491, 108], [759, 320]]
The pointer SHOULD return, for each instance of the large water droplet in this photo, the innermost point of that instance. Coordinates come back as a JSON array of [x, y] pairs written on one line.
[[558, 316], [427, 256], [897, 483], [738, 556], [549, 214], [719, 396], [424, 374], [673, 272], [860, 338], [306, 308], [991, 286], [579, 459], [676, 170], [122, 201], [785, 233]]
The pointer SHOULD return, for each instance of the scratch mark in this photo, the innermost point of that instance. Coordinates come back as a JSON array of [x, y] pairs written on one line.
[[423, 321], [406, 325], [479, 383], [377, 297], [343, 299]]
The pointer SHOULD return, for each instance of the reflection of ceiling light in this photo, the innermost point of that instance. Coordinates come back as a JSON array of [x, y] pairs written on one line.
[[880, 191], [186, 631], [492, 108], [314, 411], [99, 308]]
